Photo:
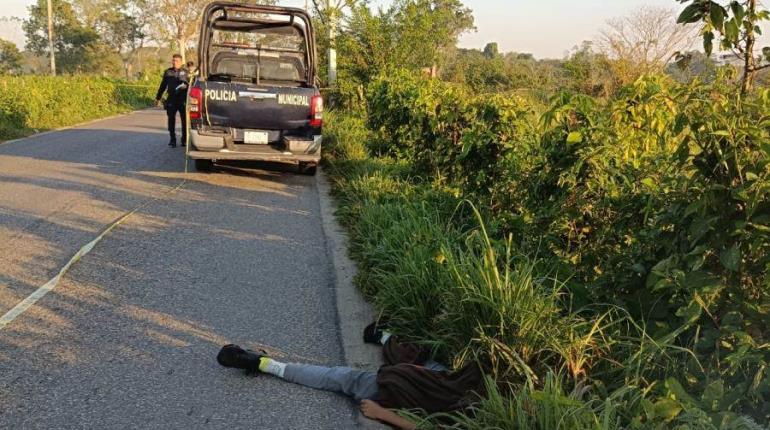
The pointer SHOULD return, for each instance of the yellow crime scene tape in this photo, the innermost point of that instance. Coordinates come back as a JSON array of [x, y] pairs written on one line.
[[38, 294]]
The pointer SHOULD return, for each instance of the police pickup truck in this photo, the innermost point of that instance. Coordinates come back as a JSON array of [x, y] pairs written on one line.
[[255, 96]]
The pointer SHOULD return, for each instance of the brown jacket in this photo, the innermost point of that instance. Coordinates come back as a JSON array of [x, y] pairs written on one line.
[[405, 385]]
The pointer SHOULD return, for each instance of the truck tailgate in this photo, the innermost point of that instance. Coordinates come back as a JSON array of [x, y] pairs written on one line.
[[242, 105]]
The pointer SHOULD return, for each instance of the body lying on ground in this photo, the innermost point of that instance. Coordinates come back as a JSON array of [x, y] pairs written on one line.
[[408, 380]]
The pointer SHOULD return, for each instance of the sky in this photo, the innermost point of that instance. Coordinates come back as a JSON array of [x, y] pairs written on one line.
[[545, 28]]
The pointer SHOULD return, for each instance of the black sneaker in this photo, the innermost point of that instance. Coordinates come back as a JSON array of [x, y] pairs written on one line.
[[182, 144], [172, 143], [373, 333], [239, 358]]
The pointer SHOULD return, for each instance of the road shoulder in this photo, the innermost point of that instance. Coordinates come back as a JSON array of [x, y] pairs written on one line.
[[354, 313]]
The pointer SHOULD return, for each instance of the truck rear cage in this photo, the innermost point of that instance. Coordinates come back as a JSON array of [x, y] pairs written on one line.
[[228, 9], [238, 24], [256, 47]]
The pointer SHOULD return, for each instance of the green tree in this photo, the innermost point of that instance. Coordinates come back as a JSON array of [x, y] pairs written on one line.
[[491, 50], [429, 29], [523, 55], [692, 64], [590, 72], [122, 28], [10, 57], [737, 23], [77, 48], [175, 23], [482, 73], [412, 34], [327, 17]]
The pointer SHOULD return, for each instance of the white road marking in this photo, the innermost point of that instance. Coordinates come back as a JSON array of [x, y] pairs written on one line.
[[38, 294]]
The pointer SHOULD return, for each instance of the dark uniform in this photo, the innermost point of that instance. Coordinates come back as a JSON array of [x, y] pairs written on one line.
[[175, 83]]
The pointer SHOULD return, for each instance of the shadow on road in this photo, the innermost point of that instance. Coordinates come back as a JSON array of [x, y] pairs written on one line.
[[60, 190], [234, 255]]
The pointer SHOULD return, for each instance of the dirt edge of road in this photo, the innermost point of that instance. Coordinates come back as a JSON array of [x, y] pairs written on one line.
[[353, 311]]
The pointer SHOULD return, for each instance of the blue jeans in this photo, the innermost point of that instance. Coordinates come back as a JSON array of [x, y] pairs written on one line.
[[358, 384], [355, 383]]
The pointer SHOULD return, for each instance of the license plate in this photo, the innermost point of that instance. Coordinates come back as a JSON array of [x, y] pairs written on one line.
[[255, 137]]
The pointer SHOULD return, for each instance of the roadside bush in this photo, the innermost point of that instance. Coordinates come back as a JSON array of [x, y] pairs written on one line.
[[345, 137], [627, 244], [33, 103], [409, 113]]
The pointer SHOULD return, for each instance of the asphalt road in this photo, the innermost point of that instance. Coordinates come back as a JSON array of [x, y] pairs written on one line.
[[129, 338]]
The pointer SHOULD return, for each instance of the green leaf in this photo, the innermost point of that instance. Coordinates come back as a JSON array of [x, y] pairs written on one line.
[[680, 123], [696, 258], [713, 394], [717, 15], [575, 137], [700, 281], [766, 53], [738, 10], [693, 208], [650, 183], [700, 226], [732, 321], [708, 42], [731, 32], [690, 14], [690, 313], [731, 258], [667, 409], [678, 392], [765, 148]]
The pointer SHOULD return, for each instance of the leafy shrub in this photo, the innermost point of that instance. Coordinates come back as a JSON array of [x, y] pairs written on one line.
[[345, 137], [651, 207], [33, 103]]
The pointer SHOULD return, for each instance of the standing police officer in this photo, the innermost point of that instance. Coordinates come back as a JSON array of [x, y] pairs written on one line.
[[175, 82]]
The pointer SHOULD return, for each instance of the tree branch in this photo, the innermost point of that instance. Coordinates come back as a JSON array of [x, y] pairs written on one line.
[[318, 11]]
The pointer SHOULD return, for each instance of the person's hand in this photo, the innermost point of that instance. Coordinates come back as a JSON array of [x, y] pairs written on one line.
[[157, 103], [371, 409]]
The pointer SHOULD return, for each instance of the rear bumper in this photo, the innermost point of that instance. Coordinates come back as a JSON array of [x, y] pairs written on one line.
[[253, 156], [208, 147]]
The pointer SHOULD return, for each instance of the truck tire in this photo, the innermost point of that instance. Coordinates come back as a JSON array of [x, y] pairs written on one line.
[[204, 165], [308, 168]]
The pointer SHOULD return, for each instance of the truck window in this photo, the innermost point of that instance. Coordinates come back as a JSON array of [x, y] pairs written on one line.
[[258, 54]]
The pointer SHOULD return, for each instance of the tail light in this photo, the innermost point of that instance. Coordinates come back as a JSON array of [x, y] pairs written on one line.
[[317, 111], [195, 102]]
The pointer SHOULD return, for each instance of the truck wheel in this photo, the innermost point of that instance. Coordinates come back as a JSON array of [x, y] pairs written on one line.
[[204, 165], [308, 168]]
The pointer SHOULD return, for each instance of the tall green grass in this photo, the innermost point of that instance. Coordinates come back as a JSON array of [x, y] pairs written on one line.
[[29, 104], [429, 262], [555, 405]]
